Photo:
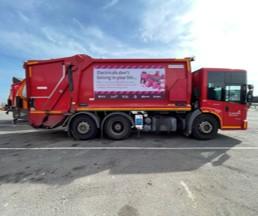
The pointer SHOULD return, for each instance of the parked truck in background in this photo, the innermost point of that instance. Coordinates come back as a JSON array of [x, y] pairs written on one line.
[[113, 97], [17, 100]]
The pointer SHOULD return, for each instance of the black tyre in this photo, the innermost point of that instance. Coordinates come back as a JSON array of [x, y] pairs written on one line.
[[83, 127], [205, 127], [117, 127]]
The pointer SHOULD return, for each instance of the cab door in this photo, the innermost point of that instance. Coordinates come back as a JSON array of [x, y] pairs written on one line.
[[234, 112]]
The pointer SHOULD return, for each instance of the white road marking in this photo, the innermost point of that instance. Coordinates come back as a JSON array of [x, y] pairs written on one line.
[[129, 148], [20, 131], [189, 193]]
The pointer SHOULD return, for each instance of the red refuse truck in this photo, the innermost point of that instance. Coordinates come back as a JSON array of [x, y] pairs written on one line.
[[17, 100], [113, 97]]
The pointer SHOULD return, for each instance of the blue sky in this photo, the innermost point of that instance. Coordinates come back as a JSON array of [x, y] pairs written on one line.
[[218, 33]]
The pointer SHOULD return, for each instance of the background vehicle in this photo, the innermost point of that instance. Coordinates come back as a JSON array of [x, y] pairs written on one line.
[[115, 96], [17, 100]]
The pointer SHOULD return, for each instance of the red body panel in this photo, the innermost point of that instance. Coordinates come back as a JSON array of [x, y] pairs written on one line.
[[167, 84]]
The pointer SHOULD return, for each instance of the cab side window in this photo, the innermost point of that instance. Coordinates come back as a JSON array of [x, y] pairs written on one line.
[[233, 93], [215, 86], [225, 86]]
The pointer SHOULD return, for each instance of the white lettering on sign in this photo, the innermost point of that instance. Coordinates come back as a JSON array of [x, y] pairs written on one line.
[[176, 66], [234, 114]]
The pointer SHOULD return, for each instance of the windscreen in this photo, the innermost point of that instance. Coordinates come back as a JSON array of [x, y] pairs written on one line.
[[226, 86]]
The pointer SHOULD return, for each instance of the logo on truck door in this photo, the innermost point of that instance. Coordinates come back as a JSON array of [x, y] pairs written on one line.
[[132, 82]]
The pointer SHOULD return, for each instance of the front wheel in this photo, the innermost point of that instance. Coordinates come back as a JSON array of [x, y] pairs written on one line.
[[205, 127]]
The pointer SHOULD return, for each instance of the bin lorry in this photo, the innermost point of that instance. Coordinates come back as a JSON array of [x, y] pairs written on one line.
[[113, 97], [17, 100]]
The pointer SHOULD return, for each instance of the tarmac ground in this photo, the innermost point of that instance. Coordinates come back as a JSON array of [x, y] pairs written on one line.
[[45, 172]]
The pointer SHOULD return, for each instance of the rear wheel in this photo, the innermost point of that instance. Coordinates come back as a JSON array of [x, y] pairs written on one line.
[[205, 127], [83, 127], [117, 127]]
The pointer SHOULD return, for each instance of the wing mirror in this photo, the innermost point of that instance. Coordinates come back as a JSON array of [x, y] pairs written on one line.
[[249, 96]]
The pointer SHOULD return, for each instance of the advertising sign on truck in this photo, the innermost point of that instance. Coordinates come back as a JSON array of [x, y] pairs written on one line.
[[129, 83]]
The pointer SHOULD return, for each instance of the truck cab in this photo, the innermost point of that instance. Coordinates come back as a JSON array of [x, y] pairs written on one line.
[[223, 94]]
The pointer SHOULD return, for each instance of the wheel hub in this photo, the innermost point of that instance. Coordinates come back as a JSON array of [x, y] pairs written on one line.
[[118, 127], [206, 127], [83, 127]]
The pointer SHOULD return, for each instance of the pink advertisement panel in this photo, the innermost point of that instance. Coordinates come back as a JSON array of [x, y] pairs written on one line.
[[129, 82]]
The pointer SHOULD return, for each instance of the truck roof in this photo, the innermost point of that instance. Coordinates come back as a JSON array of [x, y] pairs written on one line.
[[220, 69], [83, 57]]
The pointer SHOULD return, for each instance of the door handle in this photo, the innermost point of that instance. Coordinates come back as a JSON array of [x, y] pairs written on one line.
[[226, 108]]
